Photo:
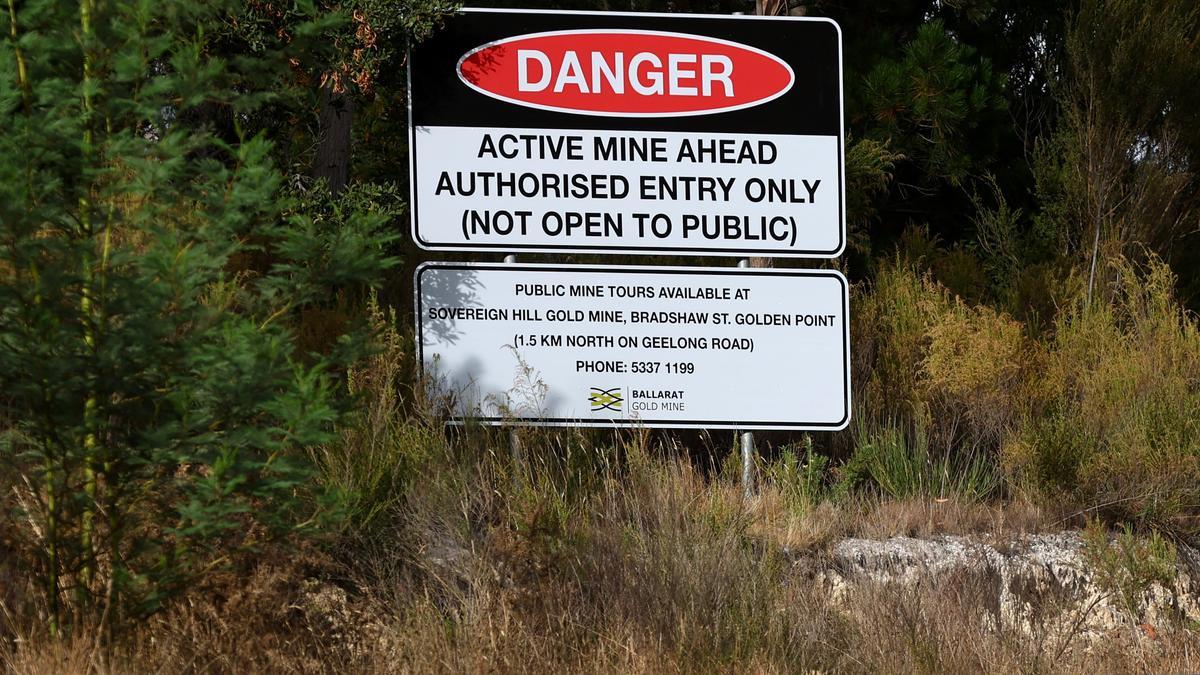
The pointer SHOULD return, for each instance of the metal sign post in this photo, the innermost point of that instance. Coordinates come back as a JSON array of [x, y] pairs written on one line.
[[747, 441]]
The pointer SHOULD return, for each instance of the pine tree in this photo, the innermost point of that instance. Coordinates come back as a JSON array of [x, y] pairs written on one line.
[[154, 405]]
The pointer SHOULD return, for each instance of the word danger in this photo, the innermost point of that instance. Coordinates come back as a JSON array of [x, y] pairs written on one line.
[[645, 73]]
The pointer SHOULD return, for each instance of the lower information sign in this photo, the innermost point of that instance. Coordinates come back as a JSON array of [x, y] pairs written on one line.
[[629, 346]]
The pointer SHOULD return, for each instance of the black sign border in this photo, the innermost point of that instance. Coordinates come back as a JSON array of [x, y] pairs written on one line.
[[646, 250], [645, 269]]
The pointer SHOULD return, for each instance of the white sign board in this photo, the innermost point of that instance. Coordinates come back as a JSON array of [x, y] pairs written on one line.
[[627, 346], [614, 132]]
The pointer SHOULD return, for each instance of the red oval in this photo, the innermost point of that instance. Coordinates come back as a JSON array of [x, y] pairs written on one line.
[[626, 73]]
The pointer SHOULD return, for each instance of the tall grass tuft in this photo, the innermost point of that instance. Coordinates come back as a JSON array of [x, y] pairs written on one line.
[[902, 465]]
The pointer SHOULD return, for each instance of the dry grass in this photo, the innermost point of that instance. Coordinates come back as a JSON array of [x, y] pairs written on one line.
[[656, 569], [883, 518]]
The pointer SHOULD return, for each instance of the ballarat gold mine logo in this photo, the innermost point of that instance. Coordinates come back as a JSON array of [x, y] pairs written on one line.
[[606, 399], [625, 73]]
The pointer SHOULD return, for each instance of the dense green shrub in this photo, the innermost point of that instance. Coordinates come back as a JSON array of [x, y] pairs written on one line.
[[978, 374], [890, 320], [1119, 429]]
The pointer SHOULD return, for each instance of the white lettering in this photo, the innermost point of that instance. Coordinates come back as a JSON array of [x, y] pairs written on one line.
[[644, 72]]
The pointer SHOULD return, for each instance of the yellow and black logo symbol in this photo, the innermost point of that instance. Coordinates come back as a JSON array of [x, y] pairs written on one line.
[[606, 399]]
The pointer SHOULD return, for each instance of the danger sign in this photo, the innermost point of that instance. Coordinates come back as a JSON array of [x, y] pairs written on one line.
[[613, 132]]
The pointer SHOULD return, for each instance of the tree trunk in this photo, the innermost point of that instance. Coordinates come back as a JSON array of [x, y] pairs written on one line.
[[332, 161]]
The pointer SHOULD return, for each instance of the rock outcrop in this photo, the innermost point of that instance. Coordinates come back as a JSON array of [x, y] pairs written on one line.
[[1038, 584]]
